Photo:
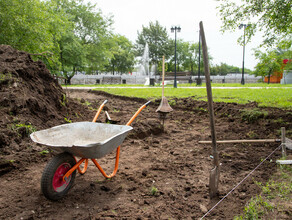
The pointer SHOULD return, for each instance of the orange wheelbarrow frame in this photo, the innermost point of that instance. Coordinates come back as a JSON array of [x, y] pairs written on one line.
[[85, 160]]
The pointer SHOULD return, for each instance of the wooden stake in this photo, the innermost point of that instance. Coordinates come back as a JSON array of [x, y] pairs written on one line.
[[241, 141], [283, 140]]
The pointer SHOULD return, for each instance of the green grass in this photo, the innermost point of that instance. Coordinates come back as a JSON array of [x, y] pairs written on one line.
[[107, 85], [186, 85], [276, 191], [270, 97]]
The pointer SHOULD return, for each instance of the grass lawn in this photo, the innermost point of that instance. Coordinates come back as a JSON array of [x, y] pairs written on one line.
[[187, 85], [272, 97]]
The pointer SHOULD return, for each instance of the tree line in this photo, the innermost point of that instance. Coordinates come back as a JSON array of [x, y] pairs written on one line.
[[72, 36]]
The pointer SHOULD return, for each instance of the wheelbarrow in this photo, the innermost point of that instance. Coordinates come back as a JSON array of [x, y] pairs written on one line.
[[85, 140]]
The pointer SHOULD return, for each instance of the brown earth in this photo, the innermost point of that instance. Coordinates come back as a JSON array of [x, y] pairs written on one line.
[[169, 159]]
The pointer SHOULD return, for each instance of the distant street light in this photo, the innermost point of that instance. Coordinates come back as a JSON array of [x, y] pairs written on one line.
[[243, 26], [174, 29]]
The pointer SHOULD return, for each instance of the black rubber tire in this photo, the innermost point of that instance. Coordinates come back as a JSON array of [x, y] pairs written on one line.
[[49, 172]]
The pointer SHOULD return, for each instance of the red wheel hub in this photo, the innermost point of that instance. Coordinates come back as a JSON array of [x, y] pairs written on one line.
[[58, 183]]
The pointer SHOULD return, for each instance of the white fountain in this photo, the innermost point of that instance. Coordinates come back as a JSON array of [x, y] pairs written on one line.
[[144, 69]]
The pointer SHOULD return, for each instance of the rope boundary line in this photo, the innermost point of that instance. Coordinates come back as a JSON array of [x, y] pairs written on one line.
[[240, 182]]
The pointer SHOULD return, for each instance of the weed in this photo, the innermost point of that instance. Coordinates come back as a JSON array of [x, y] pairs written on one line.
[[171, 102], [64, 100], [256, 208], [5, 77], [67, 120], [28, 128], [252, 134], [87, 103], [253, 115], [153, 191], [44, 152]]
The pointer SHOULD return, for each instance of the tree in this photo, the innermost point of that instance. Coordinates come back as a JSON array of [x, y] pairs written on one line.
[[85, 46], [269, 63], [123, 56], [273, 17], [223, 69], [158, 41], [31, 25]]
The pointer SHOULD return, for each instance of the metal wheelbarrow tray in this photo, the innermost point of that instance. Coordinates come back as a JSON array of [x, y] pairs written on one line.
[[83, 139]]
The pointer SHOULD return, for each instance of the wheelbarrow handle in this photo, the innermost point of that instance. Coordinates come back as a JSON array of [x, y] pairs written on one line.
[[105, 101], [147, 103], [138, 112], [98, 111]]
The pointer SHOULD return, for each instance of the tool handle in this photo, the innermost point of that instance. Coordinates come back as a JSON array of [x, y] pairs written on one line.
[[147, 103], [138, 112], [98, 111], [163, 74]]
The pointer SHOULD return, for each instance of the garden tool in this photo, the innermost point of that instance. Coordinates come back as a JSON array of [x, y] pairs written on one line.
[[215, 172], [164, 108], [109, 120]]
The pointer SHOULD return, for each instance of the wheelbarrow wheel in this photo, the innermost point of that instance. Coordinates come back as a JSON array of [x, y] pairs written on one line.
[[52, 184]]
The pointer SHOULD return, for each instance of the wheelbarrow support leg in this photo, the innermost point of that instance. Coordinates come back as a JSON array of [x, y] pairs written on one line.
[[118, 149]]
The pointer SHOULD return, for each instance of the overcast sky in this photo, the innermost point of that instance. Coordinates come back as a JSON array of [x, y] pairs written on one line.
[[130, 15]]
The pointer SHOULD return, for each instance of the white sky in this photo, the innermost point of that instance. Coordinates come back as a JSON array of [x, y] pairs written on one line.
[[130, 15]]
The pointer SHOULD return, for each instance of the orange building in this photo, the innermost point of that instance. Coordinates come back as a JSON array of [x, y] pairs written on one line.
[[276, 76]]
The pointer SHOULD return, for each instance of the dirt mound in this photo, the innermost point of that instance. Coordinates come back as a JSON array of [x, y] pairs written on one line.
[[27, 87], [31, 99]]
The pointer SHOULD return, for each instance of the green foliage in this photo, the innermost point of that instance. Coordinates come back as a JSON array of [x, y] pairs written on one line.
[[276, 190], [269, 63], [252, 115], [186, 57], [64, 100], [153, 191], [223, 69], [44, 152], [67, 120], [158, 41], [274, 97], [256, 208], [30, 25], [28, 128], [123, 57], [273, 17]]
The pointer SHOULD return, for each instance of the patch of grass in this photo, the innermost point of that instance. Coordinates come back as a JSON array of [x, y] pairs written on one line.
[[64, 100], [44, 152], [28, 128], [5, 77], [252, 134], [272, 97], [67, 120], [153, 191], [252, 115], [277, 190], [256, 208], [184, 85]]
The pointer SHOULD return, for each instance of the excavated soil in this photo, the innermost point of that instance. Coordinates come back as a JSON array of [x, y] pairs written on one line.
[[163, 171]]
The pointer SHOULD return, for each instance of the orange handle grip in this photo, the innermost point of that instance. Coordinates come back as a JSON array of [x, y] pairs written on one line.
[[98, 111], [138, 112]]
